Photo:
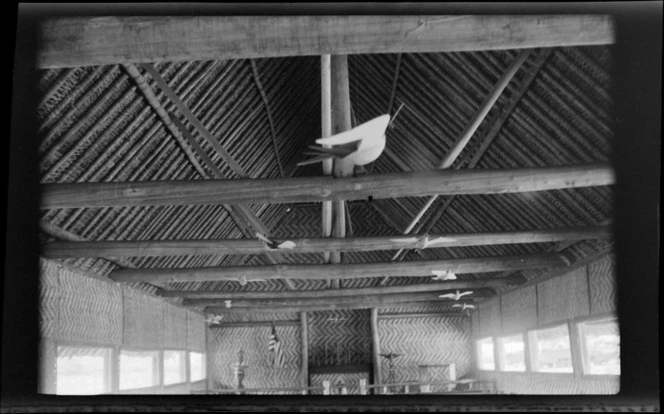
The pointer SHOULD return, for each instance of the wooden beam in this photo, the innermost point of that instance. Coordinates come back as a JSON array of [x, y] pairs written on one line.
[[375, 349], [421, 315], [342, 300], [341, 369], [311, 189], [304, 346], [485, 283], [340, 271], [326, 131], [317, 308], [254, 324], [157, 248], [85, 41]]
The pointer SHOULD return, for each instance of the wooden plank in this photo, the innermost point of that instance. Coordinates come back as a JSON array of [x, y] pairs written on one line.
[[304, 346], [341, 369], [255, 324], [486, 283], [326, 131], [86, 41], [421, 315], [312, 189], [293, 309], [342, 300], [156, 248], [375, 349], [340, 271]]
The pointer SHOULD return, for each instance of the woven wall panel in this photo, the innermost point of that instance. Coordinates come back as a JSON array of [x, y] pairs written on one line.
[[90, 309], [602, 280], [351, 381], [196, 332], [175, 327], [424, 341], [49, 299], [339, 337], [519, 309], [563, 297], [490, 322], [143, 320], [551, 384], [474, 324], [225, 343]]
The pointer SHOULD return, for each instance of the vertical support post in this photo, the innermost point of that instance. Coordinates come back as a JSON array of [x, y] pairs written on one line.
[[304, 369], [326, 387], [375, 357], [363, 386], [326, 124]]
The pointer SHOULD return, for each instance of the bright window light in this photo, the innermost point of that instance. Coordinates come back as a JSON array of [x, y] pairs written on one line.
[[139, 369], [511, 350], [485, 354], [600, 347], [551, 350], [197, 366], [83, 370], [174, 367]]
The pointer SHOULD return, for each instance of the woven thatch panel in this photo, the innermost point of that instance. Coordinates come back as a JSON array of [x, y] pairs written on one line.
[[143, 320], [424, 341], [339, 337], [563, 297], [490, 322], [195, 332], [49, 299], [534, 383], [47, 367], [519, 309], [224, 345], [90, 309], [175, 325], [474, 324], [602, 281], [351, 381]]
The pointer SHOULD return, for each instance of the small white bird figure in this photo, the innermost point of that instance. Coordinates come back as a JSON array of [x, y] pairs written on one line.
[[274, 245], [360, 145], [228, 303], [423, 242], [214, 319], [464, 306], [243, 280], [455, 296], [443, 275]]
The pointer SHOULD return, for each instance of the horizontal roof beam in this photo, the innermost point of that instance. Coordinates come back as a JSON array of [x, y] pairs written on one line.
[[86, 41], [339, 271], [156, 248], [320, 308], [324, 188]]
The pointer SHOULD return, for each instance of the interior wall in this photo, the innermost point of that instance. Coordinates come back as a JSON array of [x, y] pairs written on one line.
[[79, 309], [582, 292], [430, 340]]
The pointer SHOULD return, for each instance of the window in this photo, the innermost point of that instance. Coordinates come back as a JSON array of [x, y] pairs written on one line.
[[551, 350], [83, 370], [197, 366], [174, 367], [600, 343], [511, 353], [139, 369], [485, 357]]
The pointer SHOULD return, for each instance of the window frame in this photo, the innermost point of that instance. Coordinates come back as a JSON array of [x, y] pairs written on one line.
[[582, 349], [157, 368], [531, 348], [184, 368], [204, 365], [479, 353], [500, 360], [109, 364]]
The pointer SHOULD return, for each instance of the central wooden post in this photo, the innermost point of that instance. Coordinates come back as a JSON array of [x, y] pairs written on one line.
[[375, 347]]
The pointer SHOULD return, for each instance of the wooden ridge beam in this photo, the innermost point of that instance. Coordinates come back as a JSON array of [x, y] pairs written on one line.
[[339, 271], [342, 300], [88, 41], [486, 283], [313, 189], [317, 308], [156, 248]]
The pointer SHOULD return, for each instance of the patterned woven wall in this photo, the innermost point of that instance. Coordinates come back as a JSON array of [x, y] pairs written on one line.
[[352, 382], [475, 323], [424, 341], [225, 343], [519, 309], [196, 332], [143, 320], [563, 297], [174, 319], [339, 337], [49, 299], [490, 322], [602, 285], [551, 384]]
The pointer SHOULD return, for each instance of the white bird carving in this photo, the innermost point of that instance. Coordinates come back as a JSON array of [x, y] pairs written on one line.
[[464, 306], [360, 145], [274, 245], [423, 242], [443, 275], [228, 303], [455, 296], [243, 280], [214, 319]]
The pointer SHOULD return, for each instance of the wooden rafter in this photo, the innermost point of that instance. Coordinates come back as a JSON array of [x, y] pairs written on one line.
[[293, 309], [85, 41], [143, 248], [308, 189], [339, 271]]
